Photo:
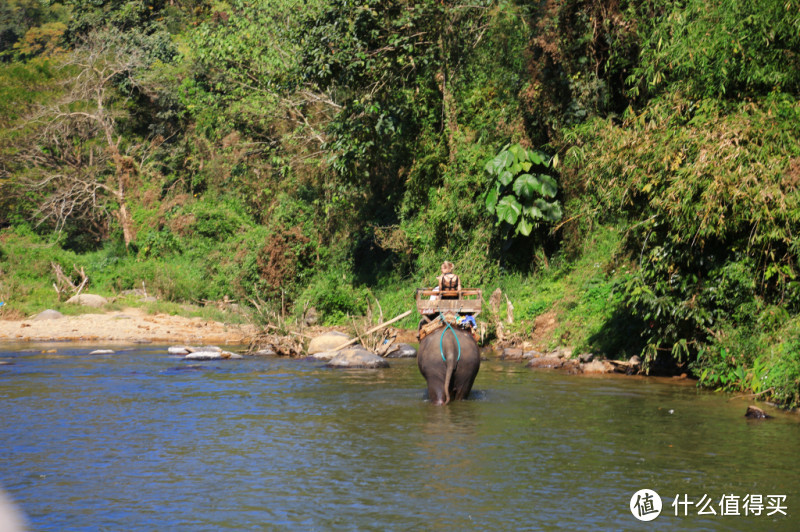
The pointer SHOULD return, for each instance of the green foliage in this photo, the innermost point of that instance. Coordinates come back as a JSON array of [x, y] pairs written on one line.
[[141, 16], [334, 296], [579, 55], [246, 63], [29, 28], [721, 48], [328, 153], [710, 188], [764, 362], [519, 195], [24, 85], [782, 371]]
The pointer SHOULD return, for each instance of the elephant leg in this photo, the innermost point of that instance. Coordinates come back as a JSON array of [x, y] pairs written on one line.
[[464, 378], [435, 378], [461, 388], [436, 393]]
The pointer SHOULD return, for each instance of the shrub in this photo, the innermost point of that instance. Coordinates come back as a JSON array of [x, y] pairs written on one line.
[[335, 297]]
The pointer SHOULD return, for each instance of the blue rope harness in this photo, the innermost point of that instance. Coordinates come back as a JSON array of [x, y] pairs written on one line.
[[441, 338]]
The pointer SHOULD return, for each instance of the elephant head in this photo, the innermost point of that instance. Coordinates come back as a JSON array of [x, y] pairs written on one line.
[[449, 360]]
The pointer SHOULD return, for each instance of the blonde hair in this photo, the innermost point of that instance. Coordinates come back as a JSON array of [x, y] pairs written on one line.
[[447, 266]]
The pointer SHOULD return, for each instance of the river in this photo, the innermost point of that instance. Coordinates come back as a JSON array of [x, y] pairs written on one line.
[[140, 440]]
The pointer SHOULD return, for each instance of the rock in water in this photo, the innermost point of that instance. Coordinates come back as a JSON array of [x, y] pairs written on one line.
[[204, 348], [48, 314], [402, 351], [325, 355], [753, 412], [511, 353], [88, 300], [212, 355], [203, 355], [357, 358], [327, 342], [179, 350], [597, 366], [102, 352], [548, 362]]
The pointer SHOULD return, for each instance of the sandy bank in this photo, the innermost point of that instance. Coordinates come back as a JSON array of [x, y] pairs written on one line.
[[129, 325]]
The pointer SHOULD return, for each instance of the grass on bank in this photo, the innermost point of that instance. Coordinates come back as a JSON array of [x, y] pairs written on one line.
[[27, 278]]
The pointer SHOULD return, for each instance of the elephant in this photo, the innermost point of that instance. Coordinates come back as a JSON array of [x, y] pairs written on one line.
[[449, 375]]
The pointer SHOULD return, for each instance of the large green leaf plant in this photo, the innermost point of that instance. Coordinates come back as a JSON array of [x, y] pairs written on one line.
[[522, 193]]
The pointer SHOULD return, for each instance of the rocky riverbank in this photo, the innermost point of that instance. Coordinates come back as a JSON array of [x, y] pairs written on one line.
[[133, 325]]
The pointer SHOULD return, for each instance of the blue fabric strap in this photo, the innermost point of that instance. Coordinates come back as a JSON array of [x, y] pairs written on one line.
[[441, 338]]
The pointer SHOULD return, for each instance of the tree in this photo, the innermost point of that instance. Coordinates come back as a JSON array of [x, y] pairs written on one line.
[[74, 158]]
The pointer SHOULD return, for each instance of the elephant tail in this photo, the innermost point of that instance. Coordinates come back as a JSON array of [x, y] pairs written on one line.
[[448, 373], [451, 362]]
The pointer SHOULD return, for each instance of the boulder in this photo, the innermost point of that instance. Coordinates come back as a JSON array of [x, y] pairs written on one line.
[[402, 351], [88, 300], [102, 352], [311, 317], [561, 352], [357, 358], [753, 412], [585, 358], [48, 314], [325, 355], [204, 348], [532, 354], [134, 292], [264, 352], [203, 355], [326, 342], [549, 362], [212, 355], [597, 366], [511, 353], [179, 350]]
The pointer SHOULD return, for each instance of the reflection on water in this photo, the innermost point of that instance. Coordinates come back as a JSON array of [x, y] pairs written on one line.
[[142, 440]]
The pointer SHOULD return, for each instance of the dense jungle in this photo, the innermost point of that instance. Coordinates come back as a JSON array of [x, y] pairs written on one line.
[[627, 168]]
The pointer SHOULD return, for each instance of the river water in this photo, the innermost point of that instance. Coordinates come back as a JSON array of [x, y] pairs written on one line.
[[140, 440]]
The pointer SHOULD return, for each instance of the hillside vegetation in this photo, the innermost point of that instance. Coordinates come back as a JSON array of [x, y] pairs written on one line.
[[630, 167]]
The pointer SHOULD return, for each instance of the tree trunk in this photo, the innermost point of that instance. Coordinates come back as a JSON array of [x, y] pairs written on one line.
[[449, 111], [128, 232], [124, 169]]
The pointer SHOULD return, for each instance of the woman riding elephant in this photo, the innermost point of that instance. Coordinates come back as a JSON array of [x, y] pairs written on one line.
[[449, 360]]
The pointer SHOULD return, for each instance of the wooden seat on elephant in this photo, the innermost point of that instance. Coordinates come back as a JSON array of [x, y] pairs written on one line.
[[466, 301]]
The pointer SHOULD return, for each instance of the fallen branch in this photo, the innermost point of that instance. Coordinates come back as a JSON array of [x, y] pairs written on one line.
[[376, 328], [751, 394], [64, 284]]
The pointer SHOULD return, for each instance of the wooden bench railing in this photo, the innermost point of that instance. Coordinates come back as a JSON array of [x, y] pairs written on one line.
[[466, 301]]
